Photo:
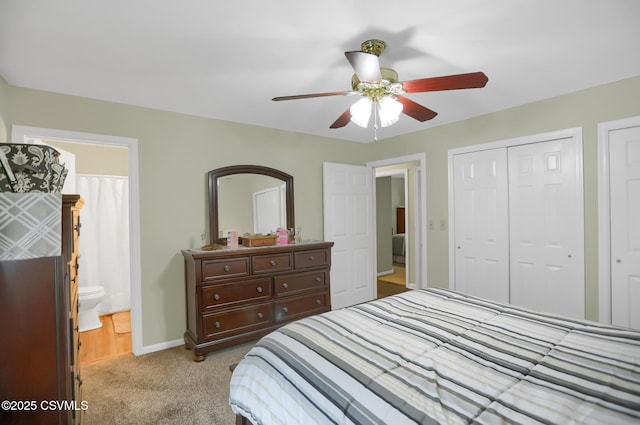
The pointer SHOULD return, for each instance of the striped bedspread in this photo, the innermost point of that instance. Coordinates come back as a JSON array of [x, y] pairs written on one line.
[[439, 357]]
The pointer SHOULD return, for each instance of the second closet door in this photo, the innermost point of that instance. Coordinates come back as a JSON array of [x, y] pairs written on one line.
[[546, 246]]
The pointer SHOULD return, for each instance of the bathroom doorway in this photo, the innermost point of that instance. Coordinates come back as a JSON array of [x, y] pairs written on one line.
[[121, 330]]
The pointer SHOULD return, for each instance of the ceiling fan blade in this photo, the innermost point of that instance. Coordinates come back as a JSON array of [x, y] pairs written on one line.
[[307, 96], [450, 82], [342, 120], [365, 65], [415, 110]]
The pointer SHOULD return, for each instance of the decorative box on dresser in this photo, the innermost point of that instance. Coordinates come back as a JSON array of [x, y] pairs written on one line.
[[39, 362], [236, 295]]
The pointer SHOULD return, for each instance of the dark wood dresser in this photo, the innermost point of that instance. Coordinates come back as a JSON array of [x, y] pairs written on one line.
[[39, 361], [238, 295]]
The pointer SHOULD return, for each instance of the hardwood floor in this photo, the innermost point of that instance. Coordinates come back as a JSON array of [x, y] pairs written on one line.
[[111, 340], [394, 283]]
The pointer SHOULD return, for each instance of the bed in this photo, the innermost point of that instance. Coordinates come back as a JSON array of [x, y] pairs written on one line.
[[398, 247], [436, 356]]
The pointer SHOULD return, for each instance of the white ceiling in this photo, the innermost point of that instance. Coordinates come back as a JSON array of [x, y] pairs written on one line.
[[227, 60]]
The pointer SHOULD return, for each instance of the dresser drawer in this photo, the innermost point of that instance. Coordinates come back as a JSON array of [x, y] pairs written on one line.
[[234, 293], [225, 268], [299, 282], [236, 321], [272, 263], [292, 308], [308, 259]]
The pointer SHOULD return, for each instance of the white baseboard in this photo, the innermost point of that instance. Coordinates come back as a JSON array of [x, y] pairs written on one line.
[[146, 349]]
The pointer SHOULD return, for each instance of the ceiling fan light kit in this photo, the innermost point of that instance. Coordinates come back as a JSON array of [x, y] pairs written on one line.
[[383, 94]]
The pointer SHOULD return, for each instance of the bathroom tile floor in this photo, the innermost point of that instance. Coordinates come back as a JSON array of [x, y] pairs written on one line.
[[107, 341]]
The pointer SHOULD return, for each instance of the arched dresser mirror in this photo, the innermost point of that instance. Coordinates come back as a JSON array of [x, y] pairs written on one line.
[[249, 199]]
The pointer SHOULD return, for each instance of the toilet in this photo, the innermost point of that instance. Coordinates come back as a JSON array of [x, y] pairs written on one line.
[[88, 299]]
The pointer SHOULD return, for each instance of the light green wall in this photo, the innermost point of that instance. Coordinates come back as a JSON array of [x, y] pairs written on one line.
[[584, 109], [175, 152], [383, 224], [4, 110]]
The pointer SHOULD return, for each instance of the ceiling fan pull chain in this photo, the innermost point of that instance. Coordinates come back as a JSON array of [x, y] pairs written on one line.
[[375, 121]]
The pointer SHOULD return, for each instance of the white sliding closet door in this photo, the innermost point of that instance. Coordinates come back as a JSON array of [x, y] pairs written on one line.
[[481, 224], [624, 172], [546, 228]]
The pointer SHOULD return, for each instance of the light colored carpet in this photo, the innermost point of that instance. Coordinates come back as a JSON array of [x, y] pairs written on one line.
[[165, 387]]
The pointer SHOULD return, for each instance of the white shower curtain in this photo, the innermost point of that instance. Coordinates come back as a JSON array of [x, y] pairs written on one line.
[[104, 239]]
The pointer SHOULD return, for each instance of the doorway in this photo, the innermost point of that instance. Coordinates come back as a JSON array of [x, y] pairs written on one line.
[[402, 235], [349, 219], [20, 134], [391, 229]]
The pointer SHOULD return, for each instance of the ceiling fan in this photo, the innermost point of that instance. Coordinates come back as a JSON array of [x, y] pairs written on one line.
[[383, 93]]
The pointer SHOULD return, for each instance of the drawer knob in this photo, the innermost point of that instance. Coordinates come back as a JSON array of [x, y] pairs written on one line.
[[259, 289], [260, 315], [217, 325], [272, 262], [216, 296], [285, 285], [227, 268], [318, 302], [285, 309], [311, 258], [318, 279]]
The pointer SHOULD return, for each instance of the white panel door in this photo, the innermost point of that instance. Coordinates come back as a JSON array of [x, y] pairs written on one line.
[[267, 211], [481, 224], [348, 223], [624, 150], [546, 227]]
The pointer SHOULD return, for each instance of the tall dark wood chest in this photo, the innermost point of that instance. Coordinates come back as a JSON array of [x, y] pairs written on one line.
[[39, 361]]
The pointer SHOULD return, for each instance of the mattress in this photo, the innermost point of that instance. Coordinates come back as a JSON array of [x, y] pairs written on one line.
[[439, 357]]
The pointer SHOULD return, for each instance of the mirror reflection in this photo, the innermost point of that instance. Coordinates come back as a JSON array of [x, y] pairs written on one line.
[[252, 203], [249, 199]]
